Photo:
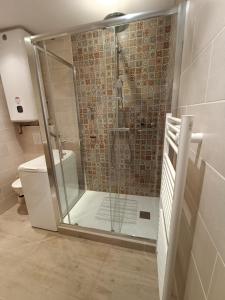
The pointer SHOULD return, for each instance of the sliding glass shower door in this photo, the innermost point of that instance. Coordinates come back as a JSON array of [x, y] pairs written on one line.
[[58, 86]]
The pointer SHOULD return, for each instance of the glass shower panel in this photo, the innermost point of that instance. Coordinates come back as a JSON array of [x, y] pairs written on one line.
[[63, 126], [144, 64], [124, 84]]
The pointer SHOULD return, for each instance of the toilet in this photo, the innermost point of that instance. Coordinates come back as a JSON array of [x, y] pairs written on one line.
[[37, 191], [18, 189]]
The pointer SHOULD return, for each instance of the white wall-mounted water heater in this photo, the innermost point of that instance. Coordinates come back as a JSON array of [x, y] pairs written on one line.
[[16, 77]]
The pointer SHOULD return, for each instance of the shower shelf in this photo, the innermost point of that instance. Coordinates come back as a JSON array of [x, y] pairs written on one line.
[[145, 129], [122, 129]]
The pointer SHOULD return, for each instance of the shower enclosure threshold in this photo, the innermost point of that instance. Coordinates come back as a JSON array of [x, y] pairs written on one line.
[[130, 215], [108, 237]]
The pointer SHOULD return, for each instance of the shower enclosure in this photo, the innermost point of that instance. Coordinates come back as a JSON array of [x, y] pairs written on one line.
[[103, 91]]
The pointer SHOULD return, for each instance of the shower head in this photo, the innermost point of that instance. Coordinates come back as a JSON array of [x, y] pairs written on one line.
[[118, 28]]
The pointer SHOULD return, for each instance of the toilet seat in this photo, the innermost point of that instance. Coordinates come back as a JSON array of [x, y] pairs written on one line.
[[17, 184], [17, 187]]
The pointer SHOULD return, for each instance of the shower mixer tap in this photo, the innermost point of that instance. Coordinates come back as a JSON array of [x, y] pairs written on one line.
[[53, 134], [119, 89], [91, 113]]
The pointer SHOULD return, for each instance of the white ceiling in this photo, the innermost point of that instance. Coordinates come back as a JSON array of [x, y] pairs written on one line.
[[40, 16]]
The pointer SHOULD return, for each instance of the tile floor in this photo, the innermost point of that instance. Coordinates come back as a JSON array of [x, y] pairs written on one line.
[[93, 211], [37, 264]]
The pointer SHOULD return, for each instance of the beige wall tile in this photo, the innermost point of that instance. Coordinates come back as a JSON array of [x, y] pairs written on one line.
[[183, 256], [14, 148], [4, 120], [209, 119], [193, 188], [6, 203], [7, 135], [64, 75], [30, 142], [65, 105], [4, 151], [63, 90], [66, 54], [217, 70], [193, 91], [8, 175], [181, 110], [212, 207], [194, 289], [59, 44], [204, 253], [209, 20], [217, 289]]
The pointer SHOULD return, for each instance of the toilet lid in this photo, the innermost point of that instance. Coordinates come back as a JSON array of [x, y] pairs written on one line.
[[17, 184]]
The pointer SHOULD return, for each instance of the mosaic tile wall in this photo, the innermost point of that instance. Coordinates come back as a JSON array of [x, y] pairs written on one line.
[[130, 161]]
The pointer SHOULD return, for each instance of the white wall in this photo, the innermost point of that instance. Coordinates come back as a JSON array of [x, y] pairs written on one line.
[[43, 16]]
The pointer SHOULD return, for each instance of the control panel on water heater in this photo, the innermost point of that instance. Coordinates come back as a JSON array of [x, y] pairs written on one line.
[[19, 106], [16, 76]]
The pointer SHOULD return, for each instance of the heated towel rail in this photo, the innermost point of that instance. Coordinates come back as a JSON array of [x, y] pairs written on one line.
[[178, 136]]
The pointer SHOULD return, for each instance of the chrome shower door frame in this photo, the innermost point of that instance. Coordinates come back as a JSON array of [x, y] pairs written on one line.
[[40, 98], [39, 95], [31, 43], [126, 19]]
